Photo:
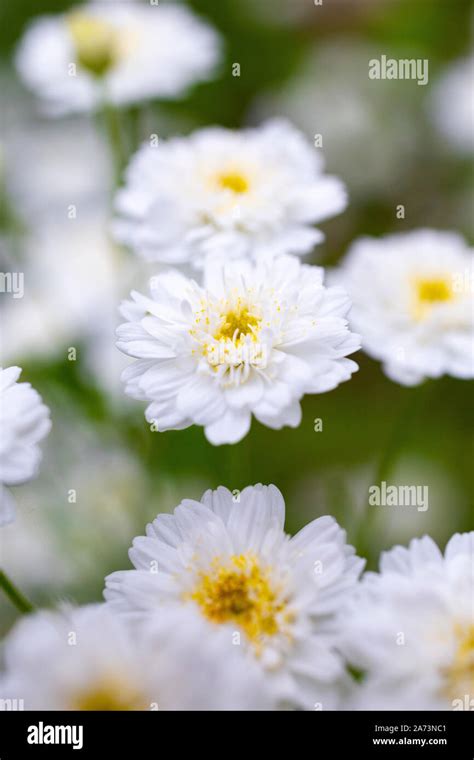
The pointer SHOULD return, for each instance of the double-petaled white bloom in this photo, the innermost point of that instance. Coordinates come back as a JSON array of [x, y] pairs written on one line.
[[252, 341], [87, 658], [251, 193], [276, 599], [411, 628], [413, 301], [121, 52], [24, 421]]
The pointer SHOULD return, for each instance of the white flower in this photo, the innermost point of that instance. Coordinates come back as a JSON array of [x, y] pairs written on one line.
[[411, 627], [277, 599], [452, 105], [254, 341], [125, 52], [251, 193], [24, 421], [412, 299], [87, 658]]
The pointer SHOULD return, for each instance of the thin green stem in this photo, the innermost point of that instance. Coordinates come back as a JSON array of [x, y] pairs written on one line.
[[113, 131], [14, 594]]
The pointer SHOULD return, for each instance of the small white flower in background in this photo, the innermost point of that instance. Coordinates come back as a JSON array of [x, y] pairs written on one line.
[[87, 658], [411, 628], [277, 599], [252, 341], [24, 421], [123, 52], [452, 105], [253, 193], [413, 301]]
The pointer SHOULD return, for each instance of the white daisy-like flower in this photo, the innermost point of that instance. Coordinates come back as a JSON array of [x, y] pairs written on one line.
[[411, 628], [452, 105], [413, 300], [87, 658], [277, 599], [24, 422], [252, 341], [121, 52], [257, 192]]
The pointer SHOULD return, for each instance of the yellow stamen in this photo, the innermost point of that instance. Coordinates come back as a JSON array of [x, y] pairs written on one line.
[[96, 42], [236, 324], [234, 181], [241, 592], [430, 292], [459, 676], [110, 694]]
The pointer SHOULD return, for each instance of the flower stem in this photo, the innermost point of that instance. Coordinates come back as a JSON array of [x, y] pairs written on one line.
[[113, 131], [15, 596]]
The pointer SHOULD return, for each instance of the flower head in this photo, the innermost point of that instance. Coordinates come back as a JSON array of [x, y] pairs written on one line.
[[24, 422], [252, 341], [87, 658], [413, 300], [411, 628], [123, 52], [275, 599], [254, 193]]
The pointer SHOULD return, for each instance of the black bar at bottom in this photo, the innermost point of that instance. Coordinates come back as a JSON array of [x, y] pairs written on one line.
[[127, 734]]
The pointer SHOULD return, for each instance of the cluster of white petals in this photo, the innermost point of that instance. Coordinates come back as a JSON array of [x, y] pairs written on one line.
[[252, 341], [411, 628], [254, 193], [24, 422], [413, 303], [120, 52]]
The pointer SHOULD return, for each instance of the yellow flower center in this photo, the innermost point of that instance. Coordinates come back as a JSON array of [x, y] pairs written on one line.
[[459, 676], [233, 180], [96, 42], [242, 592], [429, 292], [236, 324], [432, 291], [111, 694]]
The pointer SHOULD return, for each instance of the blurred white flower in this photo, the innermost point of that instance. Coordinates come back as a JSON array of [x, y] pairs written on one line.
[[452, 105], [253, 193], [276, 598], [120, 52], [24, 422], [69, 167], [73, 273], [73, 278], [87, 658], [254, 340], [411, 627], [413, 300]]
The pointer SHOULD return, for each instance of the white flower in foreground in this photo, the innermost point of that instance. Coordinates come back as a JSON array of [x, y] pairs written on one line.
[[125, 52], [277, 599], [411, 627], [24, 421], [254, 340], [255, 193], [87, 658], [452, 105], [413, 301]]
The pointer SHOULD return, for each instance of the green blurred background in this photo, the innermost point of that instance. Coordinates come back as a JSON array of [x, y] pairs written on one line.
[[308, 63]]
